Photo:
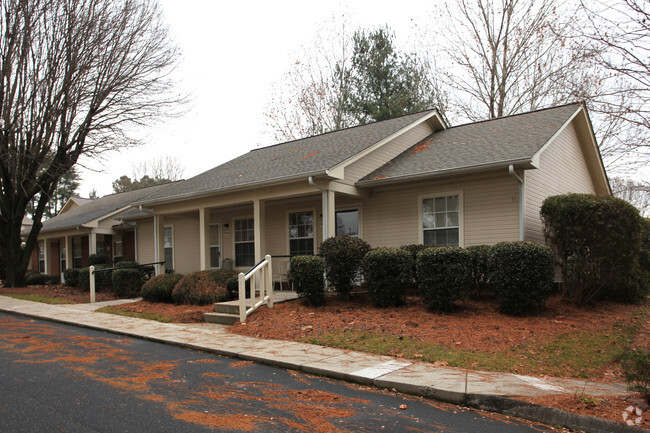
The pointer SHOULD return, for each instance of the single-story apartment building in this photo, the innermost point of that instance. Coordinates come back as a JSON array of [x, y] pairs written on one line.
[[407, 180]]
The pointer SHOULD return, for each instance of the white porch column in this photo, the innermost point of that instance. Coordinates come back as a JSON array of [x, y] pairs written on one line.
[[259, 223], [92, 243], [46, 247], [68, 252], [204, 230], [331, 214]]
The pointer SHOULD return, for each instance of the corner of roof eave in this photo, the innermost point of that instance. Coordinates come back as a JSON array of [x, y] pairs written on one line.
[[526, 164]]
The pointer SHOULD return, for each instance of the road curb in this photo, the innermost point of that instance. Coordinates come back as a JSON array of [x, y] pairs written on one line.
[[508, 406]]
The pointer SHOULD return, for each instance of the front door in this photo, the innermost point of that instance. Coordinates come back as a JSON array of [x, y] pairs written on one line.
[[215, 245]]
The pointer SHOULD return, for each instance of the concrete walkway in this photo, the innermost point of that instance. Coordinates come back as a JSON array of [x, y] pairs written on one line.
[[485, 390]]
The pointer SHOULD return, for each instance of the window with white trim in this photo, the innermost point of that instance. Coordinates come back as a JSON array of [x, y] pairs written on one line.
[[168, 245], [301, 233], [118, 254], [77, 260], [215, 245], [244, 242], [441, 221], [62, 255], [41, 257], [347, 222]]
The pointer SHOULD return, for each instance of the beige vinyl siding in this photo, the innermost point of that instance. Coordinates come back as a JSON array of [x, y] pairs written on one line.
[[186, 241], [490, 210], [145, 253], [385, 153], [562, 169]]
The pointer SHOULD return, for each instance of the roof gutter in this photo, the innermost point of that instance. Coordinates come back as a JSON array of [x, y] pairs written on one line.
[[511, 170]]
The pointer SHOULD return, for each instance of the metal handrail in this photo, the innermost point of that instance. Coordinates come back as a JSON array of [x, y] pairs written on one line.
[[128, 267]]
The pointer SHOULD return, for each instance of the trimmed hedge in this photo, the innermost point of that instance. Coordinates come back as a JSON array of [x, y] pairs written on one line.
[[413, 250], [35, 278], [147, 271], [202, 288], [127, 282], [98, 259], [306, 272], [71, 277], [102, 279], [444, 275], [387, 272], [597, 240], [522, 276], [160, 287], [343, 256], [480, 255]]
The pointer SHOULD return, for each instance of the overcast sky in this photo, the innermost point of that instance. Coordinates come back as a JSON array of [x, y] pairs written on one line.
[[233, 53]]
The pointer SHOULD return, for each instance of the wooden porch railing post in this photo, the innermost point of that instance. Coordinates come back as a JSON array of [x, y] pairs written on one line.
[[91, 271], [242, 297]]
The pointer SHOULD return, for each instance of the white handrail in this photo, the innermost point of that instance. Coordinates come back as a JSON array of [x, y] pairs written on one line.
[[263, 270]]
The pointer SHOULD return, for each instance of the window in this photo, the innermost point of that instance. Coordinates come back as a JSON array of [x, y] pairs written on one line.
[[118, 255], [62, 255], [41, 257], [244, 242], [215, 245], [101, 247], [168, 245], [301, 233], [77, 262], [441, 221], [347, 222]]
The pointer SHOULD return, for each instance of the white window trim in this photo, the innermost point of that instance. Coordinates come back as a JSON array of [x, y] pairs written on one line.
[[62, 255], [214, 223], [234, 257], [356, 207], [461, 214], [113, 249], [286, 227], [171, 226]]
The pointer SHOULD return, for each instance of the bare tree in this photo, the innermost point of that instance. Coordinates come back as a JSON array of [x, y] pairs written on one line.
[[75, 75], [508, 56], [164, 167], [635, 192]]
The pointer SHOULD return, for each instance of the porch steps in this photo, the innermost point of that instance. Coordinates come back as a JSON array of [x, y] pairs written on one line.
[[227, 313]]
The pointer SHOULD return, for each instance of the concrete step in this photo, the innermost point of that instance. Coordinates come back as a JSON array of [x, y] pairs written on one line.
[[221, 318], [227, 308]]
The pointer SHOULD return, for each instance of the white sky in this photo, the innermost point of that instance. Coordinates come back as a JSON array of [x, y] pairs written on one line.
[[233, 53]]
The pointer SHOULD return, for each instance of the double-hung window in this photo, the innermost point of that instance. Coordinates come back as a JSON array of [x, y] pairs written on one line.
[[41, 257], [77, 259], [168, 245], [244, 242], [118, 254], [301, 233], [441, 221]]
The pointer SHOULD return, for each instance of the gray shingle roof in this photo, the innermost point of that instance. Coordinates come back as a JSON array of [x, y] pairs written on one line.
[[487, 143], [294, 159], [98, 208]]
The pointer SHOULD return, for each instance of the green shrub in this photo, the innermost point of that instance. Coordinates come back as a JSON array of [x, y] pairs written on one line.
[[522, 276], [35, 278], [102, 279], [306, 273], [413, 250], [98, 259], [387, 272], [444, 275], [480, 255], [202, 288], [233, 288], [71, 277], [343, 256], [147, 271], [636, 367], [160, 287], [597, 242], [127, 282]]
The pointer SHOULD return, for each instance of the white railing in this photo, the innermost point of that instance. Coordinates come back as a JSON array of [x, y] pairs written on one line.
[[261, 280]]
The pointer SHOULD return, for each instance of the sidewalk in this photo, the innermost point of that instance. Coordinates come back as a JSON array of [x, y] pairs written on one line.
[[490, 391]]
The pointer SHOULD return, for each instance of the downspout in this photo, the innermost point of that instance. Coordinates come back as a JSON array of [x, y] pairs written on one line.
[[511, 170], [325, 205]]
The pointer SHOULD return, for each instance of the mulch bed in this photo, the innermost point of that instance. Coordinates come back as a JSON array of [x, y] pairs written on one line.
[[74, 294]]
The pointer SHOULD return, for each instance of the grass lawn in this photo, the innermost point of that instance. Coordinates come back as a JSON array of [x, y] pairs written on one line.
[[122, 312], [38, 298]]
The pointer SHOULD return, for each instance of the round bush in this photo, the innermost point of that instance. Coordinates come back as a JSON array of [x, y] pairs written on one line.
[[102, 279], [306, 273], [343, 256], [98, 259], [413, 250], [522, 276], [444, 275], [147, 271], [71, 277], [387, 272], [127, 282], [35, 278], [160, 287], [480, 255], [202, 288]]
